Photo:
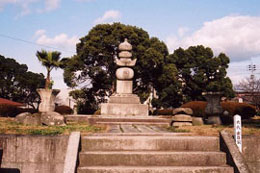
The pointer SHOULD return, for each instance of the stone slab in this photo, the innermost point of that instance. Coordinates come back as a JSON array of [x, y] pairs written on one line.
[[124, 109], [153, 169], [182, 118], [152, 158], [187, 111], [124, 86], [72, 153], [149, 143], [128, 99]]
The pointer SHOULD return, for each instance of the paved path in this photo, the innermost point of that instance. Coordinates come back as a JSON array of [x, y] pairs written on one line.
[[132, 128]]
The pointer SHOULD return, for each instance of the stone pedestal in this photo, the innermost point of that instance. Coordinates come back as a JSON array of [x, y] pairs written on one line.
[[124, 105], [181, 120], [47, 99], [124, 109]]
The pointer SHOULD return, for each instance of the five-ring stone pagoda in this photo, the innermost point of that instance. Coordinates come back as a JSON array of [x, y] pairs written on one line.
[[124, 102]]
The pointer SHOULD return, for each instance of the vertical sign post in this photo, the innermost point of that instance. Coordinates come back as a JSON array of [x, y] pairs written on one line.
[[238, 131]]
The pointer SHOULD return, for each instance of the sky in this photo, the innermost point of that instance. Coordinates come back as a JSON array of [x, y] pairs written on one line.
[[231, 27]]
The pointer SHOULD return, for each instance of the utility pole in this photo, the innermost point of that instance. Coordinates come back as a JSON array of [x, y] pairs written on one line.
[[252, 68]]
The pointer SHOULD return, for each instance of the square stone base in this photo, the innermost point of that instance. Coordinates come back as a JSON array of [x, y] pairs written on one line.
[[124, 109]]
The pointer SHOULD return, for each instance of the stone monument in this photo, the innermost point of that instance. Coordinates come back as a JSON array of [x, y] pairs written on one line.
[[213, 109], [123, 102]]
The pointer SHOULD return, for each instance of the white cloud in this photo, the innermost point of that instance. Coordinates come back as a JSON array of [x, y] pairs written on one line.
[[51, 4], [109, 16], [3, 3], [85, 0], [182, 31], [25, 5], [237, 36], [39, 32], [61, 41]]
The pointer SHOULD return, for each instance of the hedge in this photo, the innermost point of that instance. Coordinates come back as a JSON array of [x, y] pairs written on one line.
[[64, 110], [11, 111], [245, 110]]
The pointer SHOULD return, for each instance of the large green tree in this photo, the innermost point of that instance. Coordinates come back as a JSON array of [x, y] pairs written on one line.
[[93, 66], [200, 71], [17, 83]]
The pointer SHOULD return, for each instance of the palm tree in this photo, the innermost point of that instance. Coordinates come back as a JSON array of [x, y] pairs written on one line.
[[50, 60]]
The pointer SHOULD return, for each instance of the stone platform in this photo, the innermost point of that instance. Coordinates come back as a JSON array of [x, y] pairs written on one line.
[[124, 104], [124, 109], [123, 120]]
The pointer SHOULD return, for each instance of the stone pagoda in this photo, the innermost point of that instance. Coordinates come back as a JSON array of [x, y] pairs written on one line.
[[124, 102]]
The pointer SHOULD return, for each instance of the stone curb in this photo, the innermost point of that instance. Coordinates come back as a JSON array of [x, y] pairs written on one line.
[[70, 164], [1, 154], [234, 157]]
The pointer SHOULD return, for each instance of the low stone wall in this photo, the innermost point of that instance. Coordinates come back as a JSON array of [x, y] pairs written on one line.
[[33, 154], [251, 152]]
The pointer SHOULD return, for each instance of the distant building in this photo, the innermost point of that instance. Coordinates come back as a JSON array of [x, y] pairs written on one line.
[[63, 98]]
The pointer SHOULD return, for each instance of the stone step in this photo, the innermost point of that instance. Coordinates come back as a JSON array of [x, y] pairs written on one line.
[[93, 119], [152, 158], [152, 143], [161, 169], [135, 123]]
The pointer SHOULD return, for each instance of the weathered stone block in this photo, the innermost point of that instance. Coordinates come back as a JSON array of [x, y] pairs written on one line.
[[124, 86], [52, 118], [124, 109], [197, 121], [29, 119], [182, 118], [187, 111], [125, 99]]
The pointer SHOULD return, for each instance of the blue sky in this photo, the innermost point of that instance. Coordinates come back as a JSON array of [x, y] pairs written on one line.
[[232, 27]]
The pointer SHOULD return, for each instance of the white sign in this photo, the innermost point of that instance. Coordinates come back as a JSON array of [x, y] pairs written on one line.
[[238, 131]]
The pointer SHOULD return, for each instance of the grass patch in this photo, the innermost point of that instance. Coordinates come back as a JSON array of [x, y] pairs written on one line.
[[10, 126], [177, 130], [249, 127]]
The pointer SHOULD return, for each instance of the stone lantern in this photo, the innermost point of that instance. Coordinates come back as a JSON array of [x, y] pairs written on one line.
[[124, 102]]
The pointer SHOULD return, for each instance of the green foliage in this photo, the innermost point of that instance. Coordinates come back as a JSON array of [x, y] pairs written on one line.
[[17, 83], [49, 60], [94, 63], [200, 71]]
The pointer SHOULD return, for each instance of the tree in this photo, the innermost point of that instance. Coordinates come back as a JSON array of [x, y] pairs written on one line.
[[199, 71], [17, 83], [49, 60], [251, 89], [94, 63]]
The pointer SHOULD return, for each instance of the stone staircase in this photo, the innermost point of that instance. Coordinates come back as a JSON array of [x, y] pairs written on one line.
[[154, 153]]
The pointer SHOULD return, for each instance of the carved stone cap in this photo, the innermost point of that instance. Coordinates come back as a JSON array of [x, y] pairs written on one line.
[[125, 46]]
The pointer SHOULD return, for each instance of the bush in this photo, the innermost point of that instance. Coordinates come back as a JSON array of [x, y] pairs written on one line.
[[98, 112], [8, 110], [245, 110], [11, 110], [163, 112], [63, 110], [198, 108]]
